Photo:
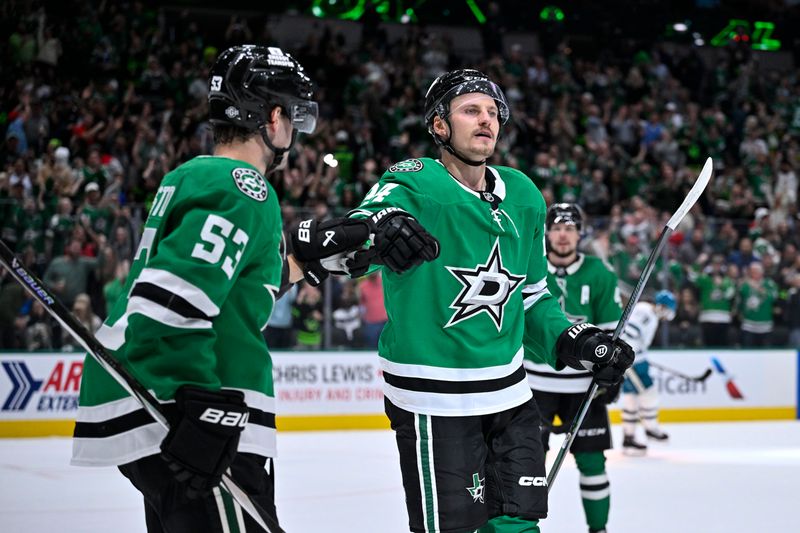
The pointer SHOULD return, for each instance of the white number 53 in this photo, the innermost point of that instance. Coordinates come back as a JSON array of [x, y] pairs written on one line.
[[215, 235]]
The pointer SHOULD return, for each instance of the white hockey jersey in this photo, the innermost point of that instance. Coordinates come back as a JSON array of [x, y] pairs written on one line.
[[641, 329]]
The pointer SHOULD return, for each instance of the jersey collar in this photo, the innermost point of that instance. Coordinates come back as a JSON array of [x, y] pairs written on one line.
[[571, 269], [494, 183]]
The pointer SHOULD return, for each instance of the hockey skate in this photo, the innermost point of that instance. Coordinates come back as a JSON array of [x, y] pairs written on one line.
[[633, 448], [656, 434]]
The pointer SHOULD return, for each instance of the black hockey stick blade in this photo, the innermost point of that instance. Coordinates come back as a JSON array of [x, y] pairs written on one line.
[[39, 291]]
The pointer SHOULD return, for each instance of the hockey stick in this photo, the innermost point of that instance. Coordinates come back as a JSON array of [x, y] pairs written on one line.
[[58, 310], [701, 378], [691, 198]]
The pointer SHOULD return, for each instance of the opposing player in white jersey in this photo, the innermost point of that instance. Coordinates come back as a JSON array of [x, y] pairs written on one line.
[[639, 395]]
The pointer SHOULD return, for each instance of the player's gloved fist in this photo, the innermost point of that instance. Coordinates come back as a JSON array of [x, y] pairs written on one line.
[[203, 436], [401, 242], [585, 346], [310, 241], [611, 393]]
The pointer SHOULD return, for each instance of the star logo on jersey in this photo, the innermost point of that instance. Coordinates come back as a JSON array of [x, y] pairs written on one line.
[[476, 490], [251, 183], [409, 165], [486, 289]]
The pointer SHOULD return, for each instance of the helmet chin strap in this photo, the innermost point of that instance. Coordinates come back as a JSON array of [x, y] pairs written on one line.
[[278, 153]]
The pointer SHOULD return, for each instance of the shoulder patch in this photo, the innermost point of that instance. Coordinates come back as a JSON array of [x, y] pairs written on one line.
[[409, 165], [251, 183]]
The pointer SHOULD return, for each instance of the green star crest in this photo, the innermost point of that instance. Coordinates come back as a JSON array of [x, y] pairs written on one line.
[[476, 490]]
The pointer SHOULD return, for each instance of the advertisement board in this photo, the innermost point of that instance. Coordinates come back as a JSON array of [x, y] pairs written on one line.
[[343, 390]]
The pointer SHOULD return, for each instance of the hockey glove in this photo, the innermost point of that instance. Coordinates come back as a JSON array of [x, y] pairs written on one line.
[[587, 347], [203, 438], [610, 394], [312, 241], [401, 242]]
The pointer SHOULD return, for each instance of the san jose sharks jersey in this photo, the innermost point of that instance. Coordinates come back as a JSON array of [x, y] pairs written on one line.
[[201, 288], [452, 345], [587, 291], [641, 329]]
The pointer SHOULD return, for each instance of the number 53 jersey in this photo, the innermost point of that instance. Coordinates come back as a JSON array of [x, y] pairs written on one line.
[[200, 289]]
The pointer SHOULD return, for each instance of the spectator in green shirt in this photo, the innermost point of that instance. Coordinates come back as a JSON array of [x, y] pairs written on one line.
[[757, 296]]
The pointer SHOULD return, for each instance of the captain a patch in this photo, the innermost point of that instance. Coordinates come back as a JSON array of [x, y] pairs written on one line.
[[251, 183]]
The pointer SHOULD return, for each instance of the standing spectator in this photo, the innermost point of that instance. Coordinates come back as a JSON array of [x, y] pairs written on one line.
[[116, 287], [38, 329], [60, 227], [347, 330], [687, 332], [12, 298], [307, 315], [372, 305], [717, 293], [279, 332], [757, 295], [68, 275]]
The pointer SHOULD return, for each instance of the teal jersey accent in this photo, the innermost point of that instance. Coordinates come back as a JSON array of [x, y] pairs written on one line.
[[452, 345], [201, 287]]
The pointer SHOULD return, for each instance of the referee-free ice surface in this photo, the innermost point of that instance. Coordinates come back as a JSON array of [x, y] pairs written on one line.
[[710, 478]]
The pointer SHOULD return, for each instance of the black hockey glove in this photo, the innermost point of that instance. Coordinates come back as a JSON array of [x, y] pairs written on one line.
[[587, 347], [311, 241], [401, 242], [610, 394], [202, 440]]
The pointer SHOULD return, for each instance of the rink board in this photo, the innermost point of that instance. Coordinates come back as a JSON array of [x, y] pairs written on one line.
[[343, 390]]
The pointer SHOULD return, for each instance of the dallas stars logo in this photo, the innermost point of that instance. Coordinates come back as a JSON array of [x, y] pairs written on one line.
[[476, 490], [486, 288]]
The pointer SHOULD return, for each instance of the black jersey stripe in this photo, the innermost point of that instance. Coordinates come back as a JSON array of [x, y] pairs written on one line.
[[454, 387], [140, 417], [558, 375], [595, 487], [168, 299]]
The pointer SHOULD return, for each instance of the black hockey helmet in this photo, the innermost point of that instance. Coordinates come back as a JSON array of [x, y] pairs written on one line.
[[564, 213], [248, 81], [455, 83]]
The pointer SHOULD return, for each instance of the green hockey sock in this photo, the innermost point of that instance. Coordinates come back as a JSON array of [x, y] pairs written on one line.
[[509, 524], [595, 492]]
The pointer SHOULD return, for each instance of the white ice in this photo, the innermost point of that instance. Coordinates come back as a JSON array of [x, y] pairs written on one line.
[[711, 478]]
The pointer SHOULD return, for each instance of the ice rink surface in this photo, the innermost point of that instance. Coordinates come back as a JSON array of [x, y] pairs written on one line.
[[711, 478]]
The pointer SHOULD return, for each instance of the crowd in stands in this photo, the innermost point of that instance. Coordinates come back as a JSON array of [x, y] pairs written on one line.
[[99, 102]]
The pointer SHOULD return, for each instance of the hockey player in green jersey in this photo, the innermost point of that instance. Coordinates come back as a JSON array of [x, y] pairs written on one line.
[[587, 291], [451, 352], [201, 287]]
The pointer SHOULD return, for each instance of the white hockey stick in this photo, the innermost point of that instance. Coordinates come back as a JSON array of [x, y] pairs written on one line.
[[691, 199], [57, 310]]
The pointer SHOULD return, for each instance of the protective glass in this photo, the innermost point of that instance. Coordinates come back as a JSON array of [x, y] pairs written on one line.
[[304, 115], [483, 86]]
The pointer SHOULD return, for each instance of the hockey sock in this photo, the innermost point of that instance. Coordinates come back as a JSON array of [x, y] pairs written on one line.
[[648, 402], [630, 413], [595, 491], [509, 524]]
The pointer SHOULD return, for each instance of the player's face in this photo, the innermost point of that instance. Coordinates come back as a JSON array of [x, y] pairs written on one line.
[[563, 239], [475, 122]]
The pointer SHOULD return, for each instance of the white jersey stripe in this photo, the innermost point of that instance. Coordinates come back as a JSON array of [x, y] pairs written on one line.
[[479, 403], [166, 316], [533, 293], [596, 494], [452, 374], [223, 519]]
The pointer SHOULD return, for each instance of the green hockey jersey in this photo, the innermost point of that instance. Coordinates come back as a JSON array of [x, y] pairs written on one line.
[[717, 294], [587, 291], [201, 288], [755, 305], [452, 345]]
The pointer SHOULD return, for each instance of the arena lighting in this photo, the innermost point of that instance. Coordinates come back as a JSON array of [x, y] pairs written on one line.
[[330, 160], [680, 27], [551, 14]]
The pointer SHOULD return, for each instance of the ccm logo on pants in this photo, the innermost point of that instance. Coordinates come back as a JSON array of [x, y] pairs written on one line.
[[530, 481]]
